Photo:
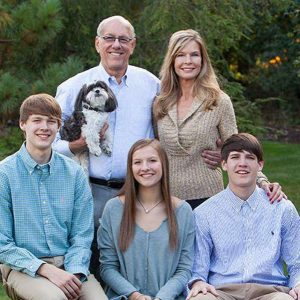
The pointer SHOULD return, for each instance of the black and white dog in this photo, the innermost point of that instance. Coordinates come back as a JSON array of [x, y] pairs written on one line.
[[93, 104]]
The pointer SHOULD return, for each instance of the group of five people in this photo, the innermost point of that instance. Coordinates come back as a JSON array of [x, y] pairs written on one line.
[[147, 233]]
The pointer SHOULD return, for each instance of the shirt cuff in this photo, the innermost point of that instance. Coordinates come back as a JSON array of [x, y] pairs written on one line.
[[83, 271], [32, 268]]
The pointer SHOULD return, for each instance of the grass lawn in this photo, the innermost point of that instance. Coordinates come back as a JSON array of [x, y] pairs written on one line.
[[282, 164], [2, 294]]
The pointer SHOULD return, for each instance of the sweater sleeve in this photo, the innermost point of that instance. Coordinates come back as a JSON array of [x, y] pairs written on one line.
[[227, 125]]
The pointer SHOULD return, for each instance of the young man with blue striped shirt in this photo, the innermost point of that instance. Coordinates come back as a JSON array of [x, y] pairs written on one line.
[[242, 239], [46, 212]]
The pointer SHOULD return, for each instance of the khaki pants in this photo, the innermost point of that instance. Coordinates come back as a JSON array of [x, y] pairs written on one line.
[[248, 291], [20, 286]]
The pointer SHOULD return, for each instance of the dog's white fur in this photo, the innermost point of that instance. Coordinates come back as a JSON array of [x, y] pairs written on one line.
[[95, 122], [96, 101]]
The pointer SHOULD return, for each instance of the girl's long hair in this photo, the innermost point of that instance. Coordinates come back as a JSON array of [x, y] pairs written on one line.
[[130, 191], [206, 86]]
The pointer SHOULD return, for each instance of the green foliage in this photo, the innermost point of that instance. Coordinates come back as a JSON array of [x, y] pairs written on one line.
[[36, 24], [10, 141], [247, 113], [43, 42], [57, 72], [11, 91], [270, 61]]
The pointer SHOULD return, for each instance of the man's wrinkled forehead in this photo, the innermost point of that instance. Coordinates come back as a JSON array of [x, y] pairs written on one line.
[[115, 27]]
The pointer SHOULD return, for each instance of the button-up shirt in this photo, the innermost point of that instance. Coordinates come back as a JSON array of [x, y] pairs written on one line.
[[45, 211], [130, 122], [246, 241]]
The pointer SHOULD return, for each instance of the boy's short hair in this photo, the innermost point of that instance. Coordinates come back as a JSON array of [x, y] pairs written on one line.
[[40, 104], [242, 141]]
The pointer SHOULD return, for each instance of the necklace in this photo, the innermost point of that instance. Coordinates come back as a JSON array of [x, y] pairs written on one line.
[[149, 209]]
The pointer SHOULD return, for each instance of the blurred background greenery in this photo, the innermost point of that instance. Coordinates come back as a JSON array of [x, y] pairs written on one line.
[[254, 46]]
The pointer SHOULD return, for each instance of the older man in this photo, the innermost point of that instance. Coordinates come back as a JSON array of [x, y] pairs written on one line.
[[135, 89]]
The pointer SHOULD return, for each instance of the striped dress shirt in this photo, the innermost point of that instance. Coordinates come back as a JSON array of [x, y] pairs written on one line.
[[246, 241], [131, 121], [45, 211]]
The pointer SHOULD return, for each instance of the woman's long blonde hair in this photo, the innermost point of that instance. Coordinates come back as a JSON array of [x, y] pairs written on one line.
[[206, 85], [130, 190]]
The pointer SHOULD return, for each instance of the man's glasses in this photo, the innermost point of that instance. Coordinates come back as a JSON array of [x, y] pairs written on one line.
[[110, 39]]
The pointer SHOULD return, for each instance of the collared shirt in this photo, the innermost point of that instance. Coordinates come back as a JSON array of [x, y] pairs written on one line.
[[45, 211], [130, 122], [246, 241]]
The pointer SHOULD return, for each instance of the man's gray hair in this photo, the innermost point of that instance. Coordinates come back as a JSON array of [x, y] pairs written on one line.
[[118, 18]]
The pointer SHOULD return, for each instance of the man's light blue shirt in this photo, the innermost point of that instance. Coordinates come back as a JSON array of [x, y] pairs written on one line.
[[131, 121], [246, 241], [45, 211]]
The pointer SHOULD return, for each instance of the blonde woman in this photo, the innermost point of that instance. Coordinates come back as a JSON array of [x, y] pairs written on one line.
[[191, 114]]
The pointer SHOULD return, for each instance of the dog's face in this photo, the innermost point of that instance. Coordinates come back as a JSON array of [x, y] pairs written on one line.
[[97, 96]]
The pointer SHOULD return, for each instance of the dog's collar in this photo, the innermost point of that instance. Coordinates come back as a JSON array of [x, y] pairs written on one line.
[[86, 106]]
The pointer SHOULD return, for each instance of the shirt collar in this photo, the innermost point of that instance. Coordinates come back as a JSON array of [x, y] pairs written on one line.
[[110, 79], [31, 164], [237, 202]]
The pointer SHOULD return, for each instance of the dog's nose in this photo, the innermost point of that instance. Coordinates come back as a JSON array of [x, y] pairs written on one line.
[[97, 91]]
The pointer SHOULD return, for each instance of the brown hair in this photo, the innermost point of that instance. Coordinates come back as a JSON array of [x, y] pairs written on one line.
[[40, 104], [130, 190], [206, 85], [242, 141]]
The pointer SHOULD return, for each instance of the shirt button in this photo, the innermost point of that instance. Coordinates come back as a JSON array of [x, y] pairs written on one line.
[[46, 221], [44, 202]]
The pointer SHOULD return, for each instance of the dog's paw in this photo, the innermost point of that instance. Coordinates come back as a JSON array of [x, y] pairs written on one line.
[[96, 152], [106, 149]]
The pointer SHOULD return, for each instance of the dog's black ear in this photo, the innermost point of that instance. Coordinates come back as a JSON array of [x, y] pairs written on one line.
[[111, 103], [81, 95]]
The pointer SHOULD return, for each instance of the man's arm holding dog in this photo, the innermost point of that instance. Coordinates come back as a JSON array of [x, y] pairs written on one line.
[[81, 145]]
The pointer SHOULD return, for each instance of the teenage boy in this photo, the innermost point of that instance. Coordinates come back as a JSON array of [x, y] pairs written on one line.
[[46, 212], [242, 239]]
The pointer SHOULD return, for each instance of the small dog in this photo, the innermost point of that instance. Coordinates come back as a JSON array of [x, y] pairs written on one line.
[[93, 104]]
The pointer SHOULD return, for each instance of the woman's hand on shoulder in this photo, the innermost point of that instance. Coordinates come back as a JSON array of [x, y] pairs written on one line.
[[212, 158], [273, 190]]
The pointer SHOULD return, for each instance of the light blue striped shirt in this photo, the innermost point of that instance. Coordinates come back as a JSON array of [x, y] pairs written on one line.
[[130, 122], [246, 241], [45, 211]]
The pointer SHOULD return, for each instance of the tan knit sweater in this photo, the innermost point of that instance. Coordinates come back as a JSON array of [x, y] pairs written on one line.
[[184, 142]]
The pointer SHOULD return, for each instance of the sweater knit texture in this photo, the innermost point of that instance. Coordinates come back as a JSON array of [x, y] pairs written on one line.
[[184, 140]]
